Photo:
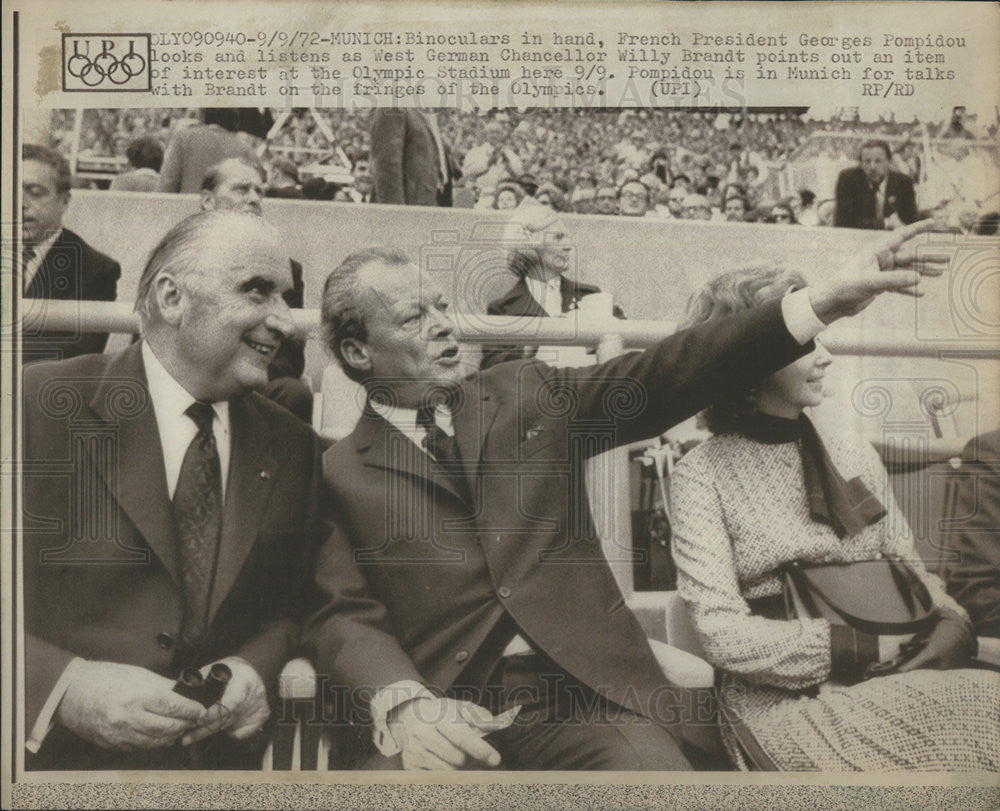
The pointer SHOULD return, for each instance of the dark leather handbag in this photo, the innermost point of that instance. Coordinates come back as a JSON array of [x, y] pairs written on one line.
[[882, 596]]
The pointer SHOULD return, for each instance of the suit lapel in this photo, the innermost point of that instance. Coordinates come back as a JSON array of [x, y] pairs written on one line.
[[569, 294], [523, 303], [380, 444], [58, 275], [252, 472], [43, 283], [139, 482], [472, 422]]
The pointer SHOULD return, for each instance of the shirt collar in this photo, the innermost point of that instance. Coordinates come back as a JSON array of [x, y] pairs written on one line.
[[43, 247], [39, 251], [169, 397], [547, 293], [405, 419]]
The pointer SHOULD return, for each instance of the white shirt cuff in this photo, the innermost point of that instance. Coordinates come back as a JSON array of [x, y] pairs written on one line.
[[800, 318], [44, 722], [385, 701]]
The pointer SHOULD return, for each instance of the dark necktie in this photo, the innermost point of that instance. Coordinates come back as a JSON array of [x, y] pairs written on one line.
[[27, 256], [198, 519], [444, 449]]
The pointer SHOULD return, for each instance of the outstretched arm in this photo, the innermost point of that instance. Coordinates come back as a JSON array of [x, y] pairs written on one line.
[[646, 393], [894, 264]]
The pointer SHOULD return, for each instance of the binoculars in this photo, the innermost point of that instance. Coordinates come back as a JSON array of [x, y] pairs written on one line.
[[206, 691]]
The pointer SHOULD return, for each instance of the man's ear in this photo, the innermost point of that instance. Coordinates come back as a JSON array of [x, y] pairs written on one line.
[[356, 354], [169, 299], [207, 200]]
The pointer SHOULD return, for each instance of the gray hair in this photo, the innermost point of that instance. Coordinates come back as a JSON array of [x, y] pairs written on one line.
[[182, 250], [340, 313], [213, 175]]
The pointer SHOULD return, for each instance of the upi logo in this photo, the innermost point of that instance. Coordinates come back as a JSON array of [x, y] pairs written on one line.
[[106, 62]]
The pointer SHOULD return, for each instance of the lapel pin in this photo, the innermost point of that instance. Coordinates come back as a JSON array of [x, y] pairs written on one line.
[[265, 475], [531, 433]]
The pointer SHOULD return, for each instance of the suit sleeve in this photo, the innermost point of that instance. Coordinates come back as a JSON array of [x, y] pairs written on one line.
[[388, 142], [44, 663], [349, 635], [498, 353], [906, 202], [973, 538], [844, 214], [645, 393], [172, 168], [102, 287], [279, 637]]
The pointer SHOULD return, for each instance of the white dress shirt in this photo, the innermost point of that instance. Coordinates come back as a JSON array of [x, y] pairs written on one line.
[[30, 268], [176, 431], [548, 294], [170, 400]]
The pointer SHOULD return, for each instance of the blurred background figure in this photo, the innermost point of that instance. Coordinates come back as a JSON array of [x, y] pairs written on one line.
[[735, 208], [412, 163], [193, 149], [807, 210], [782, 214], [54, 262], [696, 207], [145, 157], [873, 196], [364, 185], [508, 195], [633, 199], [283, 180]]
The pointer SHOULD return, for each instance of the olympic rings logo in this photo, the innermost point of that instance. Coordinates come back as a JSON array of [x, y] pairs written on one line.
[[92, 71]]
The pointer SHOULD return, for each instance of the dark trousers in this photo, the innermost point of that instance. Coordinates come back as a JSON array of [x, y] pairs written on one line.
[[62, 750], [562, 724]]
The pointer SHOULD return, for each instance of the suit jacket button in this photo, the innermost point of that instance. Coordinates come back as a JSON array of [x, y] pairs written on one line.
[[461, 656], [503, 591], [164, 640]]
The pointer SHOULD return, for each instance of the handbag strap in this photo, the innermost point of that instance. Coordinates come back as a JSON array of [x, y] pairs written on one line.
[[909, 585], [751, 748]]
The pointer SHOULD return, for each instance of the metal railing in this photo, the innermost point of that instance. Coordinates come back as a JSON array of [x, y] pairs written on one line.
[[580, 330]]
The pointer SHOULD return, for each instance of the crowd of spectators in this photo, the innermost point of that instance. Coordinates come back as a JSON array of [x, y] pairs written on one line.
[[668, 164]]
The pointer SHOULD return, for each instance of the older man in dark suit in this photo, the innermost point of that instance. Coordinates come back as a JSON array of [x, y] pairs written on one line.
[[168, 513], [872, 195], [56, 263], [464, 578], [411, 162]]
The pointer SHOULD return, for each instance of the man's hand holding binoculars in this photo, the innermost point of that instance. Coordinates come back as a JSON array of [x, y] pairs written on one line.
[[125, 707]]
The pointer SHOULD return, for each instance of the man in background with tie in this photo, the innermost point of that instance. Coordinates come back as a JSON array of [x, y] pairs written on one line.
[[872, 195], [547, 280], [55, 263], [168, 515]]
